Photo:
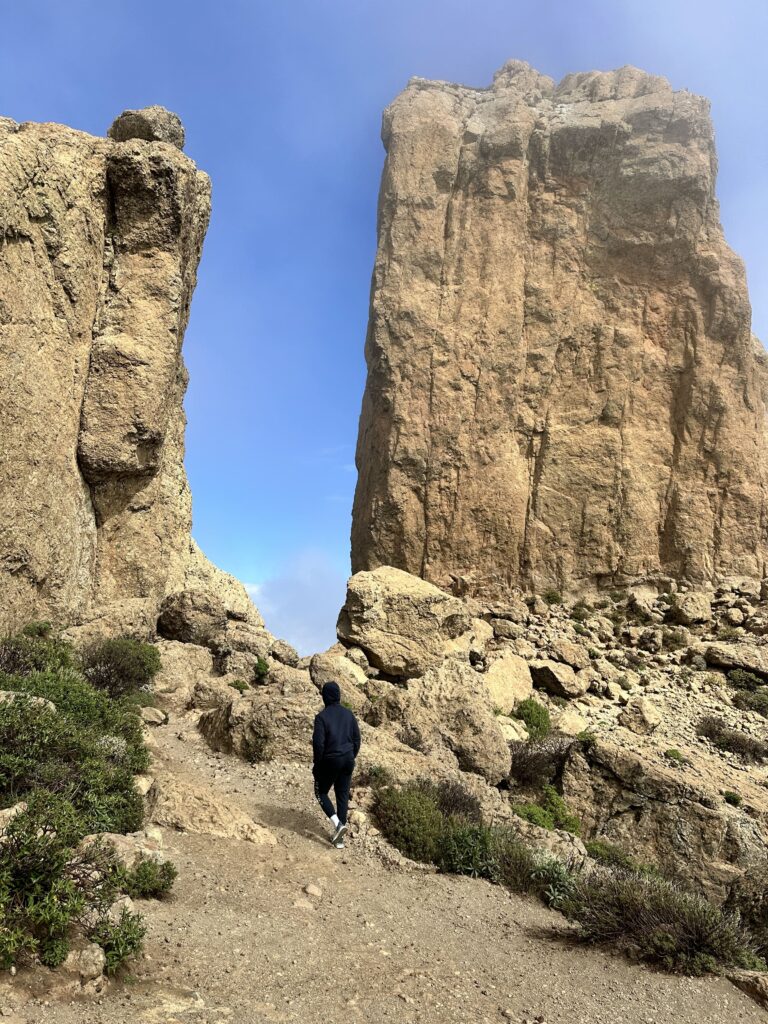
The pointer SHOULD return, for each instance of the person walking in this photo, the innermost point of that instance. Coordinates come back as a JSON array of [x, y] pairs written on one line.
[[335, 744]]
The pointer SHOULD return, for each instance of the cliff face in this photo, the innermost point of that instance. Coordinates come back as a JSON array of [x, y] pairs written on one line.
[[99, 246], [563, 388]]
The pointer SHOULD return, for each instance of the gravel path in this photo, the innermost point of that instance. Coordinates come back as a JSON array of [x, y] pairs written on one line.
[[242, 940]]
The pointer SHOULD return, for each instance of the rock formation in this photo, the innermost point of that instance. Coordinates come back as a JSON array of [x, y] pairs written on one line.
[[99, 246], [563, 388]]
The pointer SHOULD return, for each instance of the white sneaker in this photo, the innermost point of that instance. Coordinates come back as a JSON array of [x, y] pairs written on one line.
[[338, 836]]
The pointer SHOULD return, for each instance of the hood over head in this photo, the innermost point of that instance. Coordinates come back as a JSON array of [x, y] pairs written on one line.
[[331, 693]]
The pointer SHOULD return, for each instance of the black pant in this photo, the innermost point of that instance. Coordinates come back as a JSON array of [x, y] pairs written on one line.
[[336, 772]]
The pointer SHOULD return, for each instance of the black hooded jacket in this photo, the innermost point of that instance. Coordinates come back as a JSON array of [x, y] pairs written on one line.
[[336, 733]]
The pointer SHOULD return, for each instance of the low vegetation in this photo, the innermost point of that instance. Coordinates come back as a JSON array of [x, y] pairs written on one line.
[[536, 718], [70, 746], [732, 740], [620, 903], [549, 812], [538, 761]]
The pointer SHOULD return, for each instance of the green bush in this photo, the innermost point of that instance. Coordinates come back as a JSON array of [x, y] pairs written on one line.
[[612, 856], [535, 716], [580, 612], [22, 654], [239, 685], [120, 939], [734, 799], [38, 629], [147, 879], [550, 813], [731, 740], [261, 670], [120, 665], [756, 700], [43, 749], [655, 919], [673, 754], [749, 899], [411, 820], [465, 848], [744, 680], [552, 596], [48, 884]]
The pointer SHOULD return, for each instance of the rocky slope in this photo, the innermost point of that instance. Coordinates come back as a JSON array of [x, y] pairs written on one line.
[[99, 245], [563, 388]]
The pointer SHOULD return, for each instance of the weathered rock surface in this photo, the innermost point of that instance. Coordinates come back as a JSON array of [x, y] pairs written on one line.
[[563, 387], [402, 623], [99, 246]]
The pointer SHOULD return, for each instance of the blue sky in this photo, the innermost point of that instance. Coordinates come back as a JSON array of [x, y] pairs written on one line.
[[282, 104]]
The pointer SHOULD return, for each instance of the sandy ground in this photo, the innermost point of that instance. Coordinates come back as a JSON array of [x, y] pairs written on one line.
[[241, 941]]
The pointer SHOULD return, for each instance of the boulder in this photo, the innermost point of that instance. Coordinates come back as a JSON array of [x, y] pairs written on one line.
[[404, 624], [181, 802], [263, 724], [191, 617], [512, 729], [182, 667], [334, 668], [560, 679], [570, 722], [571, 653], [727, 656], [150, 124], [640, 716], [449, 713], [691, 608], [508, 680]]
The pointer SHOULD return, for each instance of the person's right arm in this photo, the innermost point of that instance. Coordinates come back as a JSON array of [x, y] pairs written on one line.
[[318, 740]]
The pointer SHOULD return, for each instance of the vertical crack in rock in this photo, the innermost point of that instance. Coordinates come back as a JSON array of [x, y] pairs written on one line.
[[95, 292], [562, 244]]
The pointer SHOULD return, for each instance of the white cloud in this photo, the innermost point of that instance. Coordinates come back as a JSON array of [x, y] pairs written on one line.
[[302, 603]]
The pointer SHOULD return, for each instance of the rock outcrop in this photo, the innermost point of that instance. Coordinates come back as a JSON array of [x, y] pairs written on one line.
[[99, 246], [563, 388]]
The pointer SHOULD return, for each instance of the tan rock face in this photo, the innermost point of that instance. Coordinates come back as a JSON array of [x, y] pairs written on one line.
[[562, 382], [403, 624], [99, 246]]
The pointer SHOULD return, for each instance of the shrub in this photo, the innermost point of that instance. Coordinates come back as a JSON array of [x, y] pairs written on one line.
[[239, 685], [120, 665], [535, 716], [147, 879], [538, 761], [411, 820], [674, 639], [580, 630], [119, 939], [552, 812], [47, 884], [749, 898], [612, 856], [466, 848], [552, 596], [727, 633], [22, 654], [744, 680], [734, 799], [376, 776], [42, 749], [261, 670], [673, 754], [746, 747], [38, 629], [658, 921], [580, 611], [757, 701]]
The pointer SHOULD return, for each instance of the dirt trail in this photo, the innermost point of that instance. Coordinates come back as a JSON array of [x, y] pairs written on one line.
[[242, 942]]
